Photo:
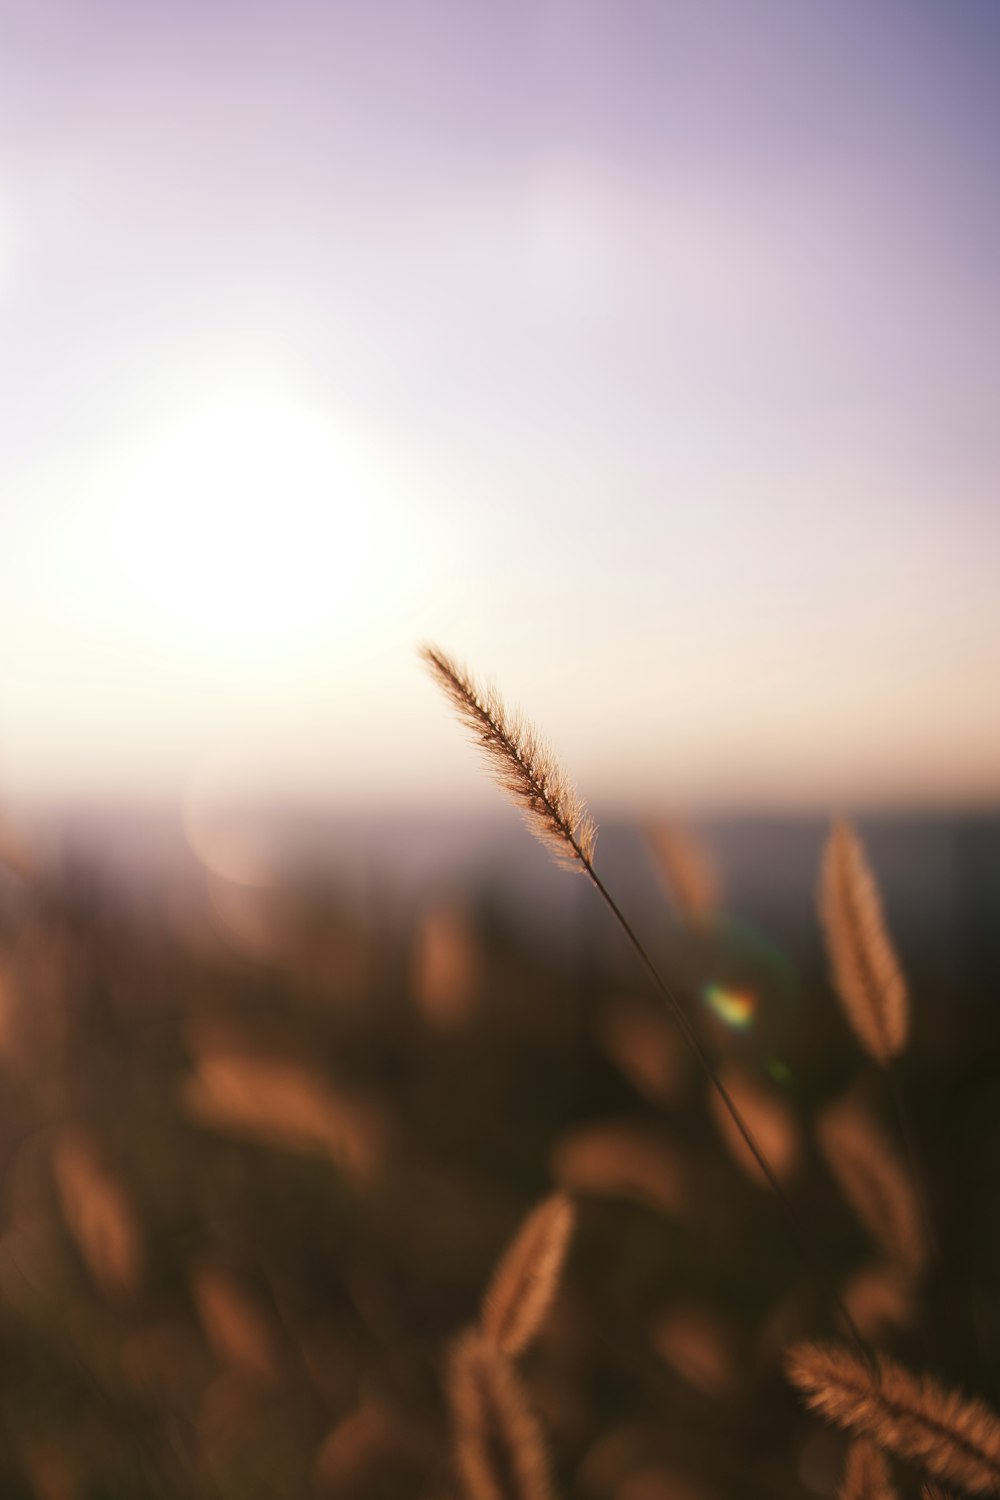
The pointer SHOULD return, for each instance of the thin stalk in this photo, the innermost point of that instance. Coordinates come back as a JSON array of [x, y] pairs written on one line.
[[528, 771], [913, 1164], [954, 1312], [691, 1038]]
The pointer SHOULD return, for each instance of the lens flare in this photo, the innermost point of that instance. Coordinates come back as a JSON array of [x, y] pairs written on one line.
[[750, 986], [735, 1007]]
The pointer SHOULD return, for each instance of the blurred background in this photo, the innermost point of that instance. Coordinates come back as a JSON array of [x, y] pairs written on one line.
[[646, 356]]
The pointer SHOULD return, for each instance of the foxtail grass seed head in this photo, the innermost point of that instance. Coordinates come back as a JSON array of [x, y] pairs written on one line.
[[866, 972], [953, 1439], [686, 871], [874, 1182], [98, 1214], [880, 1297], [771, 1121], [522, 763], [527, 1277], [624, 1160], [499, 1451]]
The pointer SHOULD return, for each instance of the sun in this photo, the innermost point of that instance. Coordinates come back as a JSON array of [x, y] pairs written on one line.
[[248, 521]]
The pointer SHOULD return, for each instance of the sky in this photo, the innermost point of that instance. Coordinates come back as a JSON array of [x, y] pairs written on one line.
[[645, 355]]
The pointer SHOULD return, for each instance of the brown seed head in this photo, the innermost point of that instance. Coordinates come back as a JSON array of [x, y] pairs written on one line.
[[866, 972], [686, 870], [910, 1415], [874, 1182], [522, 764], [499, 1452], [527, 1277]]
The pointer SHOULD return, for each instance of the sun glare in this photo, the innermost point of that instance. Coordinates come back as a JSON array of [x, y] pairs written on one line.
[[248, 521]]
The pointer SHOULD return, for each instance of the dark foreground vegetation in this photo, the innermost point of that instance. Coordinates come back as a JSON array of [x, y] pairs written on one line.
[[261, 1152]]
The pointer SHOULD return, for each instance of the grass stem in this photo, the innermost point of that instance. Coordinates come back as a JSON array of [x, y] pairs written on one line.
[[693, 1041]]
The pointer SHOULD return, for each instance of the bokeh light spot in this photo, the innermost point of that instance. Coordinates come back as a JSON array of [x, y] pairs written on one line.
[[735, 1007]]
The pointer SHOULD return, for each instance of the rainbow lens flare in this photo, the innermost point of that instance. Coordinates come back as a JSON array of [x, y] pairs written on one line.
[[735, 1007]]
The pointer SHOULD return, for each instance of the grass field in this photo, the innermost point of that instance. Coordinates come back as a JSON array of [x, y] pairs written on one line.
[[262, 1151]]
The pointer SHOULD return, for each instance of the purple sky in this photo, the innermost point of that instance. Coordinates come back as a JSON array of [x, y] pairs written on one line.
[[646, 354]]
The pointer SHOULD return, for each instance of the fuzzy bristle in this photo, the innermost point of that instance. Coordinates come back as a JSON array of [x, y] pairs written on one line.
[[522, 764], [499, 1452], [954, 1440], [686, 870], [874, 1182], [866, 972], [527, 1276]]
